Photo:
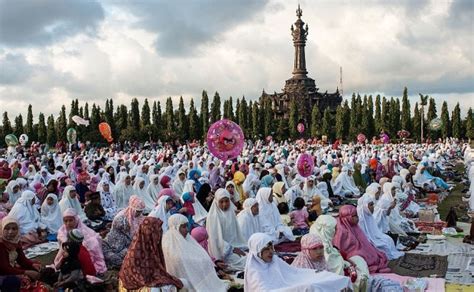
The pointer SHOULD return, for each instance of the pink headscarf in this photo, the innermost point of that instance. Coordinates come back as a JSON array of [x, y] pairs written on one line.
[[351, 241], [201, 236], [92, 242], [167, 192], [303, 260], [134, 204]]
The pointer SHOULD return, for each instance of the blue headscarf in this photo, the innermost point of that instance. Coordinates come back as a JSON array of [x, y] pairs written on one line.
[[267, 181]]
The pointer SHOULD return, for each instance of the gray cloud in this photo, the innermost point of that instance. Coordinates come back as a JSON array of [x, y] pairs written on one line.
[[461, 14], [182, 26], [42, 22], [14, 69]]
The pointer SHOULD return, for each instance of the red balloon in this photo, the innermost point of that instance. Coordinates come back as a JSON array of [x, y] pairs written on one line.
[[305, 164], [300, 128], [106, 132]]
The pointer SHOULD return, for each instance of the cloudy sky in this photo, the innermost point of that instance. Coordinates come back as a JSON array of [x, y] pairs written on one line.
[[52, 51]]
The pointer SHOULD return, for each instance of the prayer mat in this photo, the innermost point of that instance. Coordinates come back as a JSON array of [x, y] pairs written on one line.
[[419, 265], [459, 288], [294, 246]]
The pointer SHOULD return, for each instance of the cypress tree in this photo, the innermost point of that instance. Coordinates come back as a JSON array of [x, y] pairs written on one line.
[[193, 122], [51, 132], [62, 125], [73, 112], [183, 129], [378, 115], [94, 134], [470, 124], [327, 122], [230, 113], [268, 118], [86, 111], [446, 127], [256, 125], [29, 125], [293, 119], [431, 114], [109, 117], [135, 115], [316, 121], [205, 112], [423, 103], [354, 125], [146, 113], [282, 130], [370, 118], [18, 126], [456, 120], [169, 119], [347, 119], [237, 112], [406, 119], [416, 122], [216, 108], [7, 126], [243, 122], [340, 122], [364, 123], [42, 131], [385, 124]]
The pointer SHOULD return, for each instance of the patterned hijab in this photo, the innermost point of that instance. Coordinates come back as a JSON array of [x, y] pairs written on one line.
[[144, 264], [303, 260]]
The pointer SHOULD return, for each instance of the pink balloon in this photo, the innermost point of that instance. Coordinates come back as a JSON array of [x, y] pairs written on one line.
[[361, 138], [300, 128], [225, 139], [385, 138], [305, 164]]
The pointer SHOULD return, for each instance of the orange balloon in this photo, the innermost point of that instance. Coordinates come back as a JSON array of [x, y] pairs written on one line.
[[106, 132]]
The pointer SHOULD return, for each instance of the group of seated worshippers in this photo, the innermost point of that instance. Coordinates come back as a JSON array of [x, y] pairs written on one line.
[[178, 218]]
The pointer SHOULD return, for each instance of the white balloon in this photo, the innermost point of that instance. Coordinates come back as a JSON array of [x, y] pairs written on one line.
[[80, 121], [23, 139]]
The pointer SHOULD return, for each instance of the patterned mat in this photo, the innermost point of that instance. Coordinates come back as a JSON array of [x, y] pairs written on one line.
[[418, 265]]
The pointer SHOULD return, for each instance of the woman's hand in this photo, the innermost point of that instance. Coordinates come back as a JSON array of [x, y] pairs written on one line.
[[239, 252], [37, 266], [33, 275], [221, 265]]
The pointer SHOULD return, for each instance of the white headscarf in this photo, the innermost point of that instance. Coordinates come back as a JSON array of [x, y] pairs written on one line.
[[371, 230], [185, 258], [122, 192], [68, 202], [270, 219], [222, 227], [154, 189], [249, 224], [51, 215], [178, 185], [344, 182], [143, 194], [28, 217], [279, 276], [160, 212], [13, 197]]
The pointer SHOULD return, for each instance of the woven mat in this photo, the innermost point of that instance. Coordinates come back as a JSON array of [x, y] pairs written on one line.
[[418, 265]]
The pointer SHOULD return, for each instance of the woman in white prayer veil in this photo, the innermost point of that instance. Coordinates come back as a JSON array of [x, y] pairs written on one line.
[[248, 218], [270, 219], [162, 211], [178, 184], [386, 212], [153, 188], [365, 208], [200, 213], [51, 214], [186, 259], [323, 189], [225, 237], [344, 184], [310, 190], [140, 190], [251, 185], [123, 190], [13, 191], [70, 200], [264, 271]]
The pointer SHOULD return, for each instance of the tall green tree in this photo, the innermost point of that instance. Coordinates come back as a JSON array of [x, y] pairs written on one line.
[[109, 118], [51, 132], [243, 121], [316, 121], [470, 124], [170, 125], [416, 124], [354, 124], [32, 135], [256, 121], [237, 112], [86, 111], [340, 122], [157, 120], [378, 114], [327, 122], [446, 127], [183, 126], [42, 130], [385, 114], [62, 125], [194, 132], [267, 118], [7, 126], [73, 112], [216, 108], [423, 104], [406, 118], [18, 126], [370, 118], [293, 119], [135, 115], [456, 122], [205, 112]]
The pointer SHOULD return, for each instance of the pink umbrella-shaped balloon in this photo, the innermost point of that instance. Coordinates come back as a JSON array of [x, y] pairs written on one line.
[[361, 138], [225, 140], [305, 164], [300, 128]]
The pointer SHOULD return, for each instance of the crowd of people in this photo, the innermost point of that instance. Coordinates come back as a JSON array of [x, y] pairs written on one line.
[[170, 217]]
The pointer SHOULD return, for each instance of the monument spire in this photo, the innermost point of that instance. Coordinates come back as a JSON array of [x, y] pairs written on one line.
[[299, 32]]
